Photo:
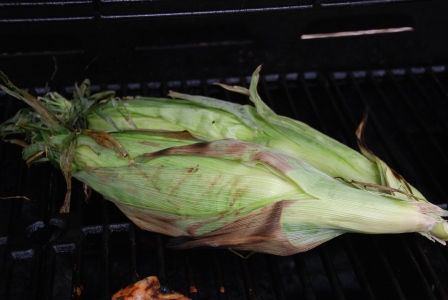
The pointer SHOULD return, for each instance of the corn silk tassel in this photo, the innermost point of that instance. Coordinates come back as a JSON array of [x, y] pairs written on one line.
[[220, 191]]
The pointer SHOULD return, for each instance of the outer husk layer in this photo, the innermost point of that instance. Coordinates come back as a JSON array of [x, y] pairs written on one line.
[[210, 192]]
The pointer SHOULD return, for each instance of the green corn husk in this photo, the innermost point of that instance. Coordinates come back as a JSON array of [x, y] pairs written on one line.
[[216, 119], [219, 190], [178, 185]]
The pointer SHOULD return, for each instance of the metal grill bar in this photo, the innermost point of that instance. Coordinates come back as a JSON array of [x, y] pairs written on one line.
[[417, 159], [161, 259], [411, 261], [440, 87], [219, 278], [347, 132], [391, 279], [304, 277], [358, 268], [437, 286], [191, 278], [275, 276], [132, 253], [331, 273], [250, 291], [415, 114], [424, 96]]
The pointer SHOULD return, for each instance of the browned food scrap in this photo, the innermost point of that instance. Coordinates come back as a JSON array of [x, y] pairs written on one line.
[[147, 289], [77, 290]]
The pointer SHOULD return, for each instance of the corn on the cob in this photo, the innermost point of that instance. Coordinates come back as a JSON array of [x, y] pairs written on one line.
[[216, 119], [222, 190], [178, 185]]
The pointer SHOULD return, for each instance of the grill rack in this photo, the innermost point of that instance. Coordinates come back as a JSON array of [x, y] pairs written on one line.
[[94, 250]]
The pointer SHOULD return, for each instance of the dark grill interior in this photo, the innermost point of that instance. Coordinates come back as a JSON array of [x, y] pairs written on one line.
[[151, 47], [94, 250]]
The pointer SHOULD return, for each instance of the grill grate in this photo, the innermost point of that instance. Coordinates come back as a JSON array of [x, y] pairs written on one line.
[[87, 10], [94, 250]]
